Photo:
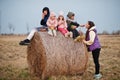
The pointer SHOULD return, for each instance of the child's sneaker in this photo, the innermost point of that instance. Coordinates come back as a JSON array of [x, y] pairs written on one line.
[[97, 76], [24, 42]]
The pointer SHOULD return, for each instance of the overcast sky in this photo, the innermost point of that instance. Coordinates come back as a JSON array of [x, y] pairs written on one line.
[[21, 14]]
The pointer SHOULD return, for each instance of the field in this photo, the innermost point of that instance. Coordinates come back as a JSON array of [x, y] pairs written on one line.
[[13, 62]]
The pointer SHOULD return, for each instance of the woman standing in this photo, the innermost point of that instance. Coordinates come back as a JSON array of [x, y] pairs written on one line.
[[45, 16], [93, 45]]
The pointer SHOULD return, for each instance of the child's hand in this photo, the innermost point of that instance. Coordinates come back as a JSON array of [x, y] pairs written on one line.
[[52, 27], [55, 28], [82, 25], [73, 27], [65, 28]]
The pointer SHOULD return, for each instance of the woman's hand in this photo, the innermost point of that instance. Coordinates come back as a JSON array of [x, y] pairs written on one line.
[[43, 15], [84, 41]]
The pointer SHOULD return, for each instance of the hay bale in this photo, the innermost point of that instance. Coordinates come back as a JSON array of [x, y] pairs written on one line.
[[58, 55]]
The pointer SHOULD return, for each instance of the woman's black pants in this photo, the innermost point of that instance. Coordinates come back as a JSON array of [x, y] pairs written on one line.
[[95, 54]]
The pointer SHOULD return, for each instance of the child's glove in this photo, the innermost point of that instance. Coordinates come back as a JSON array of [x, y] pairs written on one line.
[[52, 27], [73, 26], [65, 28]]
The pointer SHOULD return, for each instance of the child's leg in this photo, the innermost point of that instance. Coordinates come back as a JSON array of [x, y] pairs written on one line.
[[71, 34], [67, 34], [30, 36], [62, 30], [42, 28], [54, 32], [50, 32], [75, 33]]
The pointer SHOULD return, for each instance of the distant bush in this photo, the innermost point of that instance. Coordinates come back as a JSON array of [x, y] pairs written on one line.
[[116, 32], [105, 33], [113, 33]]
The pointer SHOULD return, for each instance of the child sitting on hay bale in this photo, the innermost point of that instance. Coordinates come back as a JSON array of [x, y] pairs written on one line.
[[62, 26], [52, 24], [73, 26]]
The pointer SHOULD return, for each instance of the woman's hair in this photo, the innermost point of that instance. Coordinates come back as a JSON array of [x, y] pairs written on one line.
[[91, 23], [46, 9]]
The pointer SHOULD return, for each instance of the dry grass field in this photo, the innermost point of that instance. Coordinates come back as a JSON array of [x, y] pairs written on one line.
[[13, 62]]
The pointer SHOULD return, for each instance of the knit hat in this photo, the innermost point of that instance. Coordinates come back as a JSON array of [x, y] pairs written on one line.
[[52, 14], [70, 14], [61, 13]]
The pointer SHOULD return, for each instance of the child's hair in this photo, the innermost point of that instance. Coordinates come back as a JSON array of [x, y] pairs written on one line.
[[60, 16], [91, 23]]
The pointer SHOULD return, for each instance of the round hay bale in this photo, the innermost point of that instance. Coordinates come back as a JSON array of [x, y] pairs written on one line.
[[58, 55]]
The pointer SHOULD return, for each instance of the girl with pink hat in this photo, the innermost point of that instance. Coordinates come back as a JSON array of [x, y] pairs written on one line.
[[52, 24], [62, 26]]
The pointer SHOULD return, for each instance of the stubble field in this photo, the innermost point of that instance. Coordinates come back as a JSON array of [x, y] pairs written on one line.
[[13, 61]]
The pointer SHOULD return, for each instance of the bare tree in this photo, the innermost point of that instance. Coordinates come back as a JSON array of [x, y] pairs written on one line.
[[0, 22], [13, 29], [27, 27], [0, 28], [10, 26], [116, 32], [105, 33]]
